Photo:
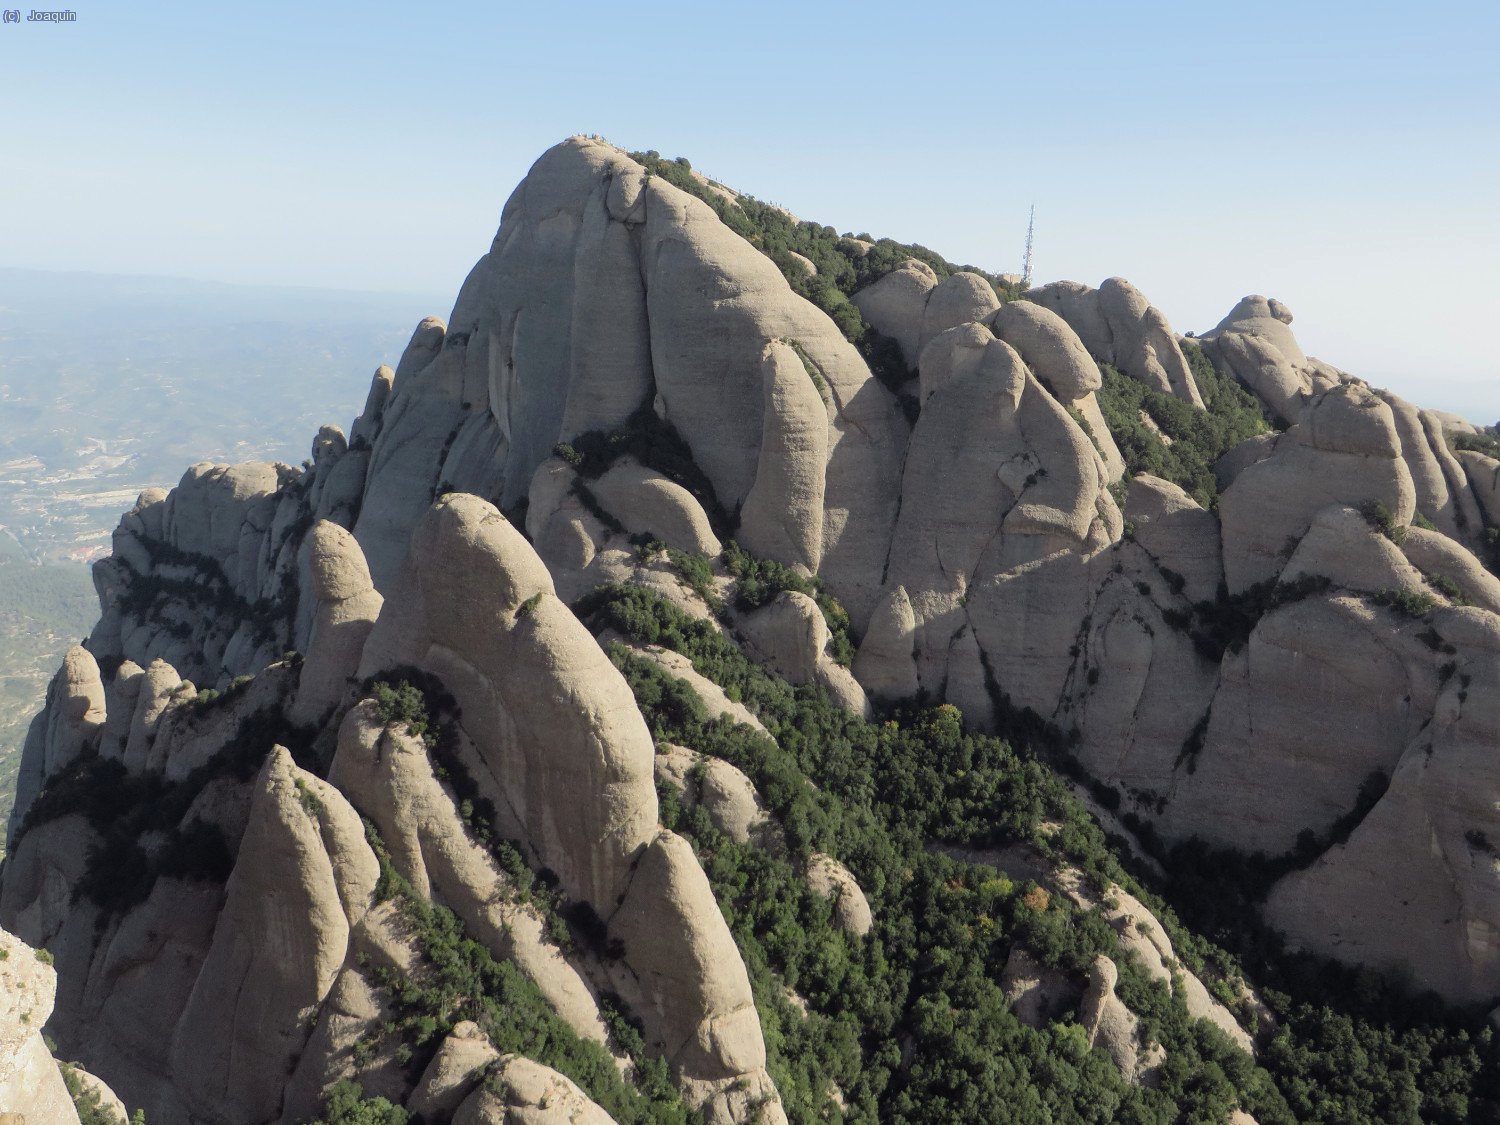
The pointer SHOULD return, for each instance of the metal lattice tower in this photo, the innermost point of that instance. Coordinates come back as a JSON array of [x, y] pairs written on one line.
[[1030, 232]]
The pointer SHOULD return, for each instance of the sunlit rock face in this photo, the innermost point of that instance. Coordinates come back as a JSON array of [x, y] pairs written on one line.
[[1290, 662]]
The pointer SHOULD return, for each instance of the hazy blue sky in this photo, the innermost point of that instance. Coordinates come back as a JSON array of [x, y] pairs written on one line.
[[1340, 156]]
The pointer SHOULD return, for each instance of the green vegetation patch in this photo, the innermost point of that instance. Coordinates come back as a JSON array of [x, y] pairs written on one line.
[[347, 1105], [909, 1024], [88, 1103], [1230, 416], [1350, 1045], [459, 980], [1378, 516], [759, 581], [1405, 602], [1486, 441]]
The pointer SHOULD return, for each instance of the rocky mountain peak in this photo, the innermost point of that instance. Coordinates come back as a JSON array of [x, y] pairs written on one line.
[[345, 759]]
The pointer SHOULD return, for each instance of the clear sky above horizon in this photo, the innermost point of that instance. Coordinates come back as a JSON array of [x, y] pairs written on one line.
[[1340, 156]]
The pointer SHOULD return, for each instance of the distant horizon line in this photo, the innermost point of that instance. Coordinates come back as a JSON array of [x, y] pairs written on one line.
[[210, 281]]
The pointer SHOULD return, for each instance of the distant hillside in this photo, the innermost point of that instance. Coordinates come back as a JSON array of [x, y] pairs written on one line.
[[43, 609], [110, 384]]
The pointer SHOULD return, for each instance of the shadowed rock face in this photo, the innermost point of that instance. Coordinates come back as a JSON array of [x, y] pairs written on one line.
[[980, 552]]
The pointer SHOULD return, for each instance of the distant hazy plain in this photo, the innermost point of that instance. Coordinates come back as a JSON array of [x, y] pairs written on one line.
[[112, 384]]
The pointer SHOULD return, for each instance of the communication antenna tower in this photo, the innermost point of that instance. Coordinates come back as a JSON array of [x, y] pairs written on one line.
[[1030, 232]]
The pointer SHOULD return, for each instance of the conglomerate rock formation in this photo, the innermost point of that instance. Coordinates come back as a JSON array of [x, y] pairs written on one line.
[[975, 527]]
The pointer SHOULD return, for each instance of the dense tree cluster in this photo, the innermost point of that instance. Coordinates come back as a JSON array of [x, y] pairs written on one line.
[[1198, 437], [909, 1024]]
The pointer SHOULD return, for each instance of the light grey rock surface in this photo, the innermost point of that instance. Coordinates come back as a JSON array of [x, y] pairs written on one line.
[[1119, 326], [961, 298], [31, 1086], [831, 880], [1344, 451], [895, 304], [1375, 899], [1288, 750], [1255, 344], [1440, 559], [647, 503], [337, 583], [304, 874], [1442, 489], [1178, 534], [782, 517], [886, 661]]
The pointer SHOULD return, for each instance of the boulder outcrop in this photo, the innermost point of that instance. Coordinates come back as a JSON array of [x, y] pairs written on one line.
[[791, 635], [894, 305], [31, 1086], [722, 791], [647, 503], [1059, 359], [1108, 1023], [1119, 326], [347, 604], [961, 298], [304, 875], [71, 724], [1255, 345], [1344, 451], [1442, 490], [831, 880], [1483, 475]]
